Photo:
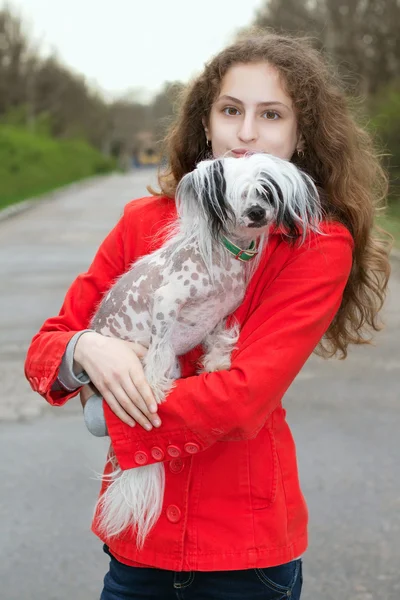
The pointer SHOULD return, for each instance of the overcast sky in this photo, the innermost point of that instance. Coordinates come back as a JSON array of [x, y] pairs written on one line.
[[123, 44]]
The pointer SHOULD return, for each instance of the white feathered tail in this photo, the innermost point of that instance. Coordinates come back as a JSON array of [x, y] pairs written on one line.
[[133, 498]]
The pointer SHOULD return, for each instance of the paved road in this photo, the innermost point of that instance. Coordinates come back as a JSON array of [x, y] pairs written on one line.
[[344, 416]]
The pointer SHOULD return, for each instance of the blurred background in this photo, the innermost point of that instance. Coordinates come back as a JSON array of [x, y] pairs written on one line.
[[87, 90], [91, 86]]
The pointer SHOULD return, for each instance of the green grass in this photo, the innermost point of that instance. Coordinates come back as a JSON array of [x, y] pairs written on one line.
[[391, 222], [31, 164]]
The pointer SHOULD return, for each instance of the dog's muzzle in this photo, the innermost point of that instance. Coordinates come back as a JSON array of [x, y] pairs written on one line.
[[257, 216]]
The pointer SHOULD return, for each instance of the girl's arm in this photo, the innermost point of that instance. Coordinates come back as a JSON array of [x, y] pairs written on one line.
[[112, 365], [275, 341], [105, 357], [49, 344]]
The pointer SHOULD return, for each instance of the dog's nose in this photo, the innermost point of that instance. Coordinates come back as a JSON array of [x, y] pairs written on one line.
[[256, 213]]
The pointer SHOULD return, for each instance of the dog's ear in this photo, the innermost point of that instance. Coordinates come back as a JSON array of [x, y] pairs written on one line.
[[202, 193], [212, 196], [284, 216], [270, 192], [273, 195], [298, 207], [291, 226]]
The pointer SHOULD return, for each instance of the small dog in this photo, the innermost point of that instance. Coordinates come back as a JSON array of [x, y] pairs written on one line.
[[180, 295]]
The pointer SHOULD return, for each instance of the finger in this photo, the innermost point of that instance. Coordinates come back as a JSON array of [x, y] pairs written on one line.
[[141, 419], [132, 393], [138, 349], [145, 391], [130, 407], [129, 388], [139, 384], [117, 409]]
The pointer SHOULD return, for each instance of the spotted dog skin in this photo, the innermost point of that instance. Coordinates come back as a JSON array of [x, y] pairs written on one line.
[[170, 305]]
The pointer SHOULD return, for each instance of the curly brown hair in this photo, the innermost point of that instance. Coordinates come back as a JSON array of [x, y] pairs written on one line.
[[339, 156]]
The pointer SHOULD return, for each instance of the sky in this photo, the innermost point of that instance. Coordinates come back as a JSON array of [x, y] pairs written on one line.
[[124, 45]]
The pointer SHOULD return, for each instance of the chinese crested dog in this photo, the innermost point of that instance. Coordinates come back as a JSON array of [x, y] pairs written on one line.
[[180, 295]]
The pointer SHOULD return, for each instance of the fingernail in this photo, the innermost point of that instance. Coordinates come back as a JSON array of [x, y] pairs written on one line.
[[148, 427], [132, 424], [156, 422]]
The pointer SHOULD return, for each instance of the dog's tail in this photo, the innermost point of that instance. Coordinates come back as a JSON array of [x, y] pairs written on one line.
[[133, 498]]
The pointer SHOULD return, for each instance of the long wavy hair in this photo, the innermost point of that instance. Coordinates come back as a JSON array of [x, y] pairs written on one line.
[[339, 155]]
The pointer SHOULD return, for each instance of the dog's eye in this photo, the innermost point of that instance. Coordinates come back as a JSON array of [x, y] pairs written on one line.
[[265, 196]]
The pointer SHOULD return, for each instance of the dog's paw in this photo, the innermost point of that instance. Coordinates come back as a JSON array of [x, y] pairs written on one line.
[[161, 389], [214, 360], [219, 345]]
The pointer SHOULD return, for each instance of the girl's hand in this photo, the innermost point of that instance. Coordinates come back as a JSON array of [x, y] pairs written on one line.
[[115, 370]]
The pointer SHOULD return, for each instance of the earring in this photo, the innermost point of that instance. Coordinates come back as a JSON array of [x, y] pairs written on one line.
[[208, 143], [300, 154]]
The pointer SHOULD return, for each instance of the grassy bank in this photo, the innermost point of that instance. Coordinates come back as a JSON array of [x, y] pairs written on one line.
[[391, 222], [32, 164]]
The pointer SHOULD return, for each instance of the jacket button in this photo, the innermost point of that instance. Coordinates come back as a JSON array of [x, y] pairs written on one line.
[[192, 448], [157, 453], [176, 465], [174, 451], [173, 513], [141, 458]]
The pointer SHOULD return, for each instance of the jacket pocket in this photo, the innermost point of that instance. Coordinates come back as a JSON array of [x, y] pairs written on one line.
[[263, 469]]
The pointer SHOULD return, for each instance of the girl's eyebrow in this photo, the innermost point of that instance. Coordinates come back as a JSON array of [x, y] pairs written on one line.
[[270, 103]]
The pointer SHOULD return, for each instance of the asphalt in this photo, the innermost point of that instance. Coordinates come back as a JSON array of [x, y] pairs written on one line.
[[344, 416]]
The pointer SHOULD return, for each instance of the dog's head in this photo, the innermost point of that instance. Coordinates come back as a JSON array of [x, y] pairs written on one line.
[[245, 196]]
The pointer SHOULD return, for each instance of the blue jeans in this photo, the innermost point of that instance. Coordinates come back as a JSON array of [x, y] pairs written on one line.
[[137, 583]]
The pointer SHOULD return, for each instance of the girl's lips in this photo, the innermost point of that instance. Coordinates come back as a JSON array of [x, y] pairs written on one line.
[[242, 151]]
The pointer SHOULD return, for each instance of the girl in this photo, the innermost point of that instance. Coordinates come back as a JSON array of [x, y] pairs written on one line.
[[234, 521]]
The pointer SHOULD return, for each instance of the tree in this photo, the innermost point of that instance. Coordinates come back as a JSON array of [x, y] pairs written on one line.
[[360, 35], [16, 60], [163, 107], [384, 108], [42, 91]]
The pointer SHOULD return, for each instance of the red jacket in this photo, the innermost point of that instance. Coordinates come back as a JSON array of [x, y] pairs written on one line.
[[232, 493]]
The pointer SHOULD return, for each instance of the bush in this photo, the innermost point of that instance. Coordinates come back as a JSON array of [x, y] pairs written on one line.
[[31, 164], [384, 111]]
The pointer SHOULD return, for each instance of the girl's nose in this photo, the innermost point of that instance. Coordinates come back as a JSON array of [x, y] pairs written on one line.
[[248, 131]]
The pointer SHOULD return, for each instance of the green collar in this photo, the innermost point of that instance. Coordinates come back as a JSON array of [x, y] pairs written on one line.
[[243, 255]]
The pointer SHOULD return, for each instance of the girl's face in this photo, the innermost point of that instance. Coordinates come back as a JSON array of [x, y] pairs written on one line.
[[253, 113]]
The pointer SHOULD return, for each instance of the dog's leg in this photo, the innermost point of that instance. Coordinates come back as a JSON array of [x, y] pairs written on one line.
[[160, 363], [219, 344]]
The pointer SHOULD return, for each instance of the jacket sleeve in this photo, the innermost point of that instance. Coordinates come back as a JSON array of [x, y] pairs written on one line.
[[49, 344], [275, 341]]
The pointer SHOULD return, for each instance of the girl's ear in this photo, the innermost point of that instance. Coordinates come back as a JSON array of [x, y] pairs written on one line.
[[203, 120], [300, 143]]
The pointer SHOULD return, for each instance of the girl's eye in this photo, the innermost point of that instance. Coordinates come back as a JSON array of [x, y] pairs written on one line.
[[272, 115], [231, 111]]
